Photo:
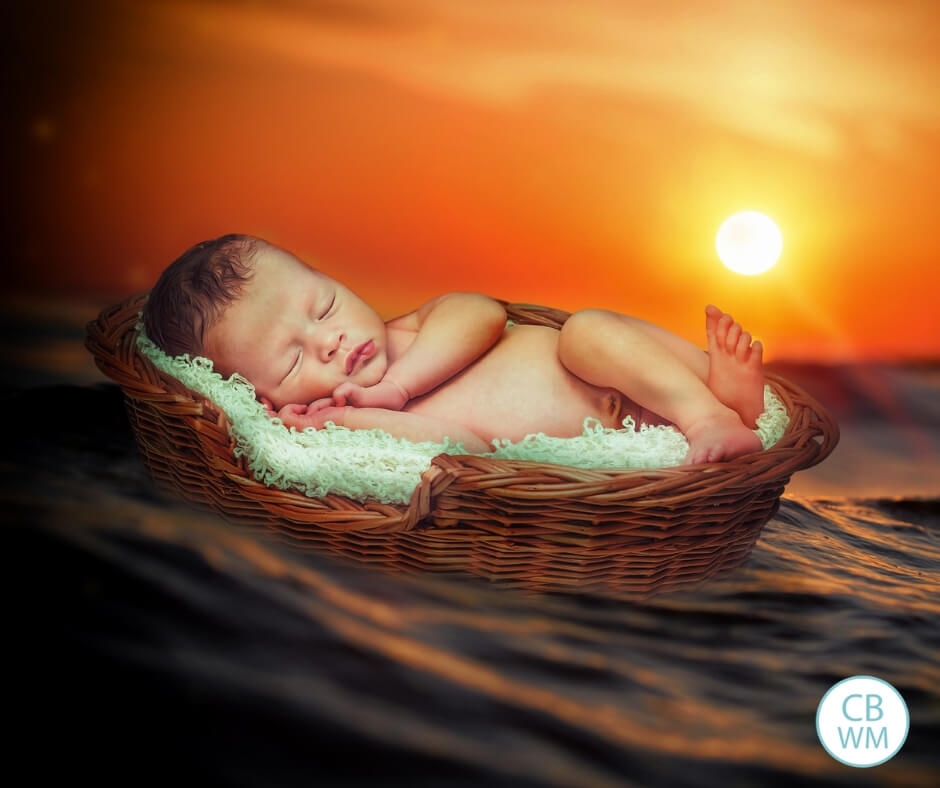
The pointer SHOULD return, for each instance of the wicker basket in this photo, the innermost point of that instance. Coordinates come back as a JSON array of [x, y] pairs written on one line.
[[534, 525]]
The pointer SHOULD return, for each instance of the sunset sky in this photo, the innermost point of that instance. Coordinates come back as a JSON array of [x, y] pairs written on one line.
[[571, 153]]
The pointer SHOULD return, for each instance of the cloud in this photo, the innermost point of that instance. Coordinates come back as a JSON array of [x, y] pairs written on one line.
[[791, 73]]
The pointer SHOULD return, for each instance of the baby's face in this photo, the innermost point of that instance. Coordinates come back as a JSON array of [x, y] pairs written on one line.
[[296, 334]]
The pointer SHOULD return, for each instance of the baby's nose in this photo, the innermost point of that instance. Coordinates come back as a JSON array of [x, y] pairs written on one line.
[[330, 342]]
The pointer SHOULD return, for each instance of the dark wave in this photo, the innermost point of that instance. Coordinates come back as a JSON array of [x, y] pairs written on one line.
[[149, 642]]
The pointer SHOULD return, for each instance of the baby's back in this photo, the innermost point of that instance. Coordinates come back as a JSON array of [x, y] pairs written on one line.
[[519, 387]]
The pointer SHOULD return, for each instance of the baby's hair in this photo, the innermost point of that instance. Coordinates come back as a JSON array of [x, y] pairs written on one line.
[[194, 291]]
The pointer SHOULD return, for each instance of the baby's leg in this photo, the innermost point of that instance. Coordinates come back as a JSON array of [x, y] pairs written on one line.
[[609, 350], [693, 357], [732, 368]]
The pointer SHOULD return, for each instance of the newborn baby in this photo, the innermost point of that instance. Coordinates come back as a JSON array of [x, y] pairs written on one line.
[[316, 352]]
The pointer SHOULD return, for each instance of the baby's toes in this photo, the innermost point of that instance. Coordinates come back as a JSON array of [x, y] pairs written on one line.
[[757, 354], [744, 345], [712, 314], [734, 333], [712, 336], [721, 330]]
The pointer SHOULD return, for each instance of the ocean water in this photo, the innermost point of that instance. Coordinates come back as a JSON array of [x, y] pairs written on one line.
[[147, 642]]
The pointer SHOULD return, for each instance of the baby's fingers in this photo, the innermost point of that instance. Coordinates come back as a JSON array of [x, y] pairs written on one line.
[[347, 394], [335, 414], [294, 415], [320, 404], [292, 410]]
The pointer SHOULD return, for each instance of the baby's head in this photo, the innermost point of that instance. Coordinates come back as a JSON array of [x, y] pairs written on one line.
[[255, 309], [194, 291]]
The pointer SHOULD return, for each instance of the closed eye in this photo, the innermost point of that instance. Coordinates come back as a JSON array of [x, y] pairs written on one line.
[[329, 308], [295, 366]]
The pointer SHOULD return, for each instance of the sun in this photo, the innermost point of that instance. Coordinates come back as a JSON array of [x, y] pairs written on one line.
[[749, 242]]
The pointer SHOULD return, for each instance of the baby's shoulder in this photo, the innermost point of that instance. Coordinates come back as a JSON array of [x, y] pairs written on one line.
[[408, 322]]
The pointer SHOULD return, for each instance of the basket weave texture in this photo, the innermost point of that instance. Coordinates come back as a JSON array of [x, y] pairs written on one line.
[[535, 525]]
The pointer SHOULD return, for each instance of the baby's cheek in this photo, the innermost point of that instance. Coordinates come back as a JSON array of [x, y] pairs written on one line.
[[374, 372], [309, 389]]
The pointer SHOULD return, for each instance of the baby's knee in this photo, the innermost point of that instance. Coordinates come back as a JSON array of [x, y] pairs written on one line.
[[581, 330], [586, 322]]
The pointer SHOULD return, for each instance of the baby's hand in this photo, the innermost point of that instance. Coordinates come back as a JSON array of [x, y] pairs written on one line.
[[384, 394], [315, 415]]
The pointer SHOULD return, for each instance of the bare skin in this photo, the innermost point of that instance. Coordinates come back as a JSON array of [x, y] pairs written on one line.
[[317, 353], [732, 370], [497, 397], [605, 348], [735, 370]]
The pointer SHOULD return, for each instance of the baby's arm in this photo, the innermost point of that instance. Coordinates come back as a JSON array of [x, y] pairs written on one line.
[[411, 426], [453, 330]]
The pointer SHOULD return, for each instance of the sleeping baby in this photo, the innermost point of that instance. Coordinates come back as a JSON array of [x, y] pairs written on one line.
[[316, 352]]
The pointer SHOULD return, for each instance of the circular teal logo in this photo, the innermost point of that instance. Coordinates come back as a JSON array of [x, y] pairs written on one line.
[[862, 721]]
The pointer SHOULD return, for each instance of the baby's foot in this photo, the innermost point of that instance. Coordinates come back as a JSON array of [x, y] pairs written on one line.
[[721, 437], [735, 366]]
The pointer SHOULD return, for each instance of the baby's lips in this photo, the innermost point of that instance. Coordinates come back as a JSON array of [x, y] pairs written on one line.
[[364, 351]]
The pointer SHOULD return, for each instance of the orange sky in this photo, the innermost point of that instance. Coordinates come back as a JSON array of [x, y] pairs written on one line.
[[578, 153]]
